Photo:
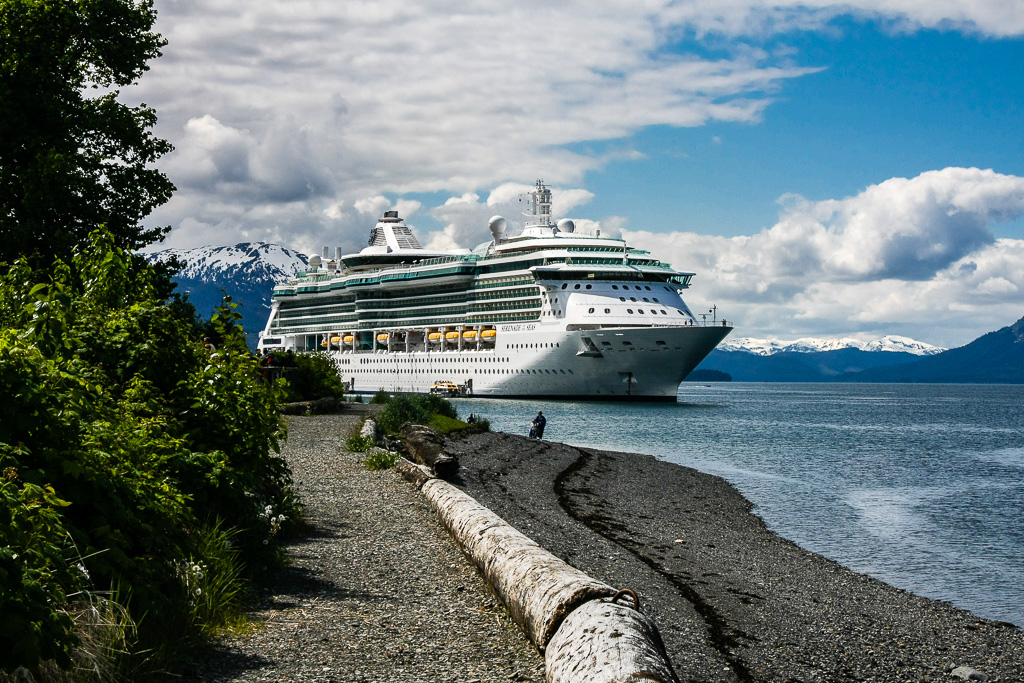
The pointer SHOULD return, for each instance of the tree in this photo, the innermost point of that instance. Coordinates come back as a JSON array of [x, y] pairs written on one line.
[[71, 156]]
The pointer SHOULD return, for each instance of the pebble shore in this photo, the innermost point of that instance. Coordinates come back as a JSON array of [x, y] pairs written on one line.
[[379, 592]]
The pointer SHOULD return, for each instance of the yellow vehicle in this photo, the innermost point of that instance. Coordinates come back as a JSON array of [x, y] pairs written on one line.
[[444, 388]]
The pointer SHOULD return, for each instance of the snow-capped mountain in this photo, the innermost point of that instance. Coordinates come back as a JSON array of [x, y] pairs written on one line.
[[247, 261], [246, 272], [769, 347]]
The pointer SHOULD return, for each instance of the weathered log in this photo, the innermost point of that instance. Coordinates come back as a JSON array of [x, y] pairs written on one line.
[[424, 446], [320, 406], [413, 473], [538, 588], [607, 642]]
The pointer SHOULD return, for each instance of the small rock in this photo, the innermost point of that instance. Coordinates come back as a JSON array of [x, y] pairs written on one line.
[[968, 674]]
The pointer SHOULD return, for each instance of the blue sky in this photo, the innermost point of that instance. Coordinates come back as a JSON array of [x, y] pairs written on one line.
[[827, 170]]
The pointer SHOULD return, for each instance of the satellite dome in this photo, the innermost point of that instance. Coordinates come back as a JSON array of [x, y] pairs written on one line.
[[566, 225], [497, 227], [314, 261]]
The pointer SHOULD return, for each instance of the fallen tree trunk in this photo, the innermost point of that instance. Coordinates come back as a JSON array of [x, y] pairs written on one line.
[[413, 473], [538, 589], [606, 642], [320, 406], [424, 446]]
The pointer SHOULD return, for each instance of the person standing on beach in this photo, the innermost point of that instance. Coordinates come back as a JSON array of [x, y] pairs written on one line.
[[538, 425]]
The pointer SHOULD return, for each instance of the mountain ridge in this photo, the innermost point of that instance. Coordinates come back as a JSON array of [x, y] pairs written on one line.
[[247, 272]]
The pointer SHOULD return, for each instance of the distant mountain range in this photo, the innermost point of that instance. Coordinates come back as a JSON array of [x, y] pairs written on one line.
[[997, 357], [769, 347], [247, 272]]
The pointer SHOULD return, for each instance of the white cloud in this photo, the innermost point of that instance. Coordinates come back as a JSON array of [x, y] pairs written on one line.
[[915, 252], [301, 122]]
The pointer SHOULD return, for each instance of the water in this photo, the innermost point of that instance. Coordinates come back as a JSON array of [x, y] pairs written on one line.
[[921, 486]]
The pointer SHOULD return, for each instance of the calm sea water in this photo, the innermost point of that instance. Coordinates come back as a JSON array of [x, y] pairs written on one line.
[[921, 486]]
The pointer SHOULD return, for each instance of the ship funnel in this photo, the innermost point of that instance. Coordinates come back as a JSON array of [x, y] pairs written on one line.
[[326, 254], [497, 227]]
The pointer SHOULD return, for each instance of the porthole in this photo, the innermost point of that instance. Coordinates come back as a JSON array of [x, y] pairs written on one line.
[[590, 310], [564, 285], [656, 300], [622, 298], [589, 287], [607, 310], [632, 298], [636, 287], [640, 311], [647, 288], [629, 310], [646, 299], [615, 286], [576, 287]]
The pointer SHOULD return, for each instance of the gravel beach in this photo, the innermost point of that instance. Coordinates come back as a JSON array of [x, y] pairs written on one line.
[[376, 592], [379, 592]]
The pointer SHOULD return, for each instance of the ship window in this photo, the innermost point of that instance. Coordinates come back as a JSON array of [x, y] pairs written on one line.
[[626, 343], [607, 310], [656, 300], [660, 343], [590, 311], [606, 343], [632, 298], [622, 298], [646, 299], [576, 287], [640, 310], [589, 286], [637, 286], [564, 285], [615, 286], [647, 288], [664, 312], [629, 310]]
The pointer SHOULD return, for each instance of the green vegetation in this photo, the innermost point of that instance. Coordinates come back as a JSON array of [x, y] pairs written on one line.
[[415, 408], [72, 156], [136, 465], [358, 443], [381, 397], [380, 459], [314, 376]]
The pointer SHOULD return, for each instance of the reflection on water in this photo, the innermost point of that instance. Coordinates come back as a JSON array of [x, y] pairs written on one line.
[[921, 486]]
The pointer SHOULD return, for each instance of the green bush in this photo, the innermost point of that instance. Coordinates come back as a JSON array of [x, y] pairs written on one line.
[[314, 375], [381, 397], [415, 408], [359, 444], [380, 459], [120, 437]]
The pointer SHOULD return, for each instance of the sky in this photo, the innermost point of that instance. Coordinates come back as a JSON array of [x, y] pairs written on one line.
[[826, 169]]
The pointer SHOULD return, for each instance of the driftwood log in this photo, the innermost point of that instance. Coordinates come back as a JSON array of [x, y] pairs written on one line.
[[413, 473], [538, 589], [424, 446], [607, 642], [321, 406]]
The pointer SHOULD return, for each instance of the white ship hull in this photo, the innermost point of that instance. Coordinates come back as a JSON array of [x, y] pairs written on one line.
[[534, 361]]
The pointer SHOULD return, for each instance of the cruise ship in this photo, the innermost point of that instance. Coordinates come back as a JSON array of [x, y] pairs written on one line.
[[548, 312]]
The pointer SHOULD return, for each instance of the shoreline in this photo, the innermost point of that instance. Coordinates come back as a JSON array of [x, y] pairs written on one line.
[[734, 601], [378, 591]]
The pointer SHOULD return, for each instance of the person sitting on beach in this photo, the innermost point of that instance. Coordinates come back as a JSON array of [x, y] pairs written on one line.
[[538, 425]]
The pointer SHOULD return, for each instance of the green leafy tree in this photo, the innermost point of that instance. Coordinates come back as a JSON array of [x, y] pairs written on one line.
[[72, 157], [123, 440]]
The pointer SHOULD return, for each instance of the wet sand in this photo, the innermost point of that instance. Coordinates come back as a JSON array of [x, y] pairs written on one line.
[[734, 601]]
